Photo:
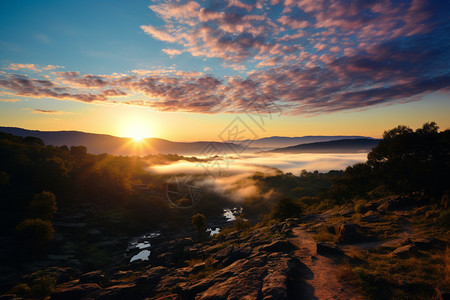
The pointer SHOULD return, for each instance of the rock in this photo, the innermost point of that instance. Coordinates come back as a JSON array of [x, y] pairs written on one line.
[[231, 253], [152, 276], [199, 267], [347, 213], [350, 233], [279, 246], [9, 297], [371, 217], [372, 206], [428, 243], [404, 251], [75, 292], [328, 249], [441, 294], [392, 203], [93, 277], [246, 285]]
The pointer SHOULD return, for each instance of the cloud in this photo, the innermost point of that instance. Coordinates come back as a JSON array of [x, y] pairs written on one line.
[[172, 52], [9, 100], [49, 112], [16, 67], [300, 79]]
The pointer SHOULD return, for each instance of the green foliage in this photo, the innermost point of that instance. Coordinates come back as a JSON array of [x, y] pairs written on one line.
[[286, 208], [43, 206], [241, 224], [34, 234], [42, 286], [406, 161], [199, 222]]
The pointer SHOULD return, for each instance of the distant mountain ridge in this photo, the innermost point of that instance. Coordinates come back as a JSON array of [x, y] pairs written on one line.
[[338, 146], [103, 143], [283, 141]]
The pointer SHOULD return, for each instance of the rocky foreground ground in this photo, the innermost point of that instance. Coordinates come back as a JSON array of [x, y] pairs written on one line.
[[390, 245]]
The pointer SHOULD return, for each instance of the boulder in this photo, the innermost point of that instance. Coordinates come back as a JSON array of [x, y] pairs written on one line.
[[199, 267], [279, 246], [93, 277], [350, 233], [371, 217], [327, 249], [404, 251]]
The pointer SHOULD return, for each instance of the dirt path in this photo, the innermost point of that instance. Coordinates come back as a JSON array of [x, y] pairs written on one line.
[[318, 277]]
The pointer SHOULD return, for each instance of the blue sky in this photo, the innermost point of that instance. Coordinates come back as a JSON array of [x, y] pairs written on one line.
[[330, 66]]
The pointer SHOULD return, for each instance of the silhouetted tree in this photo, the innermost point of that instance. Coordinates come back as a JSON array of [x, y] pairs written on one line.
[[199, 222]]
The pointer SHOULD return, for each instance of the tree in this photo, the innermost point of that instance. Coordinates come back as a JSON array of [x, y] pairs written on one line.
[[199, 222], [43, 206], [406, 161], [286, 208]]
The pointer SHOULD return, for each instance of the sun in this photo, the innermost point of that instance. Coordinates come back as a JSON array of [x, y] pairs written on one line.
[[137, 131]]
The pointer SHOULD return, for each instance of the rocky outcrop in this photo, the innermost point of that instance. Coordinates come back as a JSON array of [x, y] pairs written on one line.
[[350, 233], [255, 265]]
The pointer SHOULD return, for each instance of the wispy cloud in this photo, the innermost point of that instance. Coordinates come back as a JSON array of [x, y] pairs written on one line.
[[309, 56], [49, 112]]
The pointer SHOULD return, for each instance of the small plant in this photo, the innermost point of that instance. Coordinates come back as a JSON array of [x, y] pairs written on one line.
[[360, 207], [43, 286], [21, 290]]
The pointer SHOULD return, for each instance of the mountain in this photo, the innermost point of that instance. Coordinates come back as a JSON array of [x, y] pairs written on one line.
[[269, 143], [102, 143], [339, 146]]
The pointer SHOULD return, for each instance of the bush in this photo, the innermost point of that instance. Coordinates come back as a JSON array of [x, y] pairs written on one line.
[[286, 208], [43, 206], [21, 290], [241, 224], [360, 207], [34, 234], [199, 222], [43, 286]]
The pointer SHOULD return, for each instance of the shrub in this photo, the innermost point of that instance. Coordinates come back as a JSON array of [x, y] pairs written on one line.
[[43, 206], [286, 208], [34, 234], [241, 224], [360, 207], [43, 286], [199, 222], [21, 290]]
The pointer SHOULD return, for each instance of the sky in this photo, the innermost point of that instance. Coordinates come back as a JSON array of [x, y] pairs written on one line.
[[217, 70]]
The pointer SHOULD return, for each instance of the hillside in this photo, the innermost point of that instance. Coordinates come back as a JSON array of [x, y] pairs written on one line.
[[102, 143], [339, 146]]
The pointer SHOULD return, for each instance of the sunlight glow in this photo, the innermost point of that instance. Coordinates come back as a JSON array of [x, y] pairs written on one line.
[[137, 130]]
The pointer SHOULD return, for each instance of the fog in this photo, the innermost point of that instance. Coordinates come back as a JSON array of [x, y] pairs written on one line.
[[250, 163], [230, 176]]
